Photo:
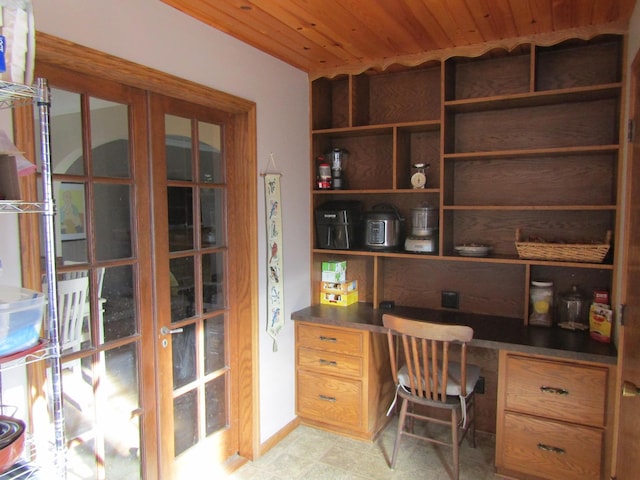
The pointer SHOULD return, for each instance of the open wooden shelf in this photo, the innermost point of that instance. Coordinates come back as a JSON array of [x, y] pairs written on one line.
[[528, 138]]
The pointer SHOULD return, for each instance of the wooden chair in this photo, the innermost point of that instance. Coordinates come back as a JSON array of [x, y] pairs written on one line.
[[72, 294], [426, 375], [86, 330]]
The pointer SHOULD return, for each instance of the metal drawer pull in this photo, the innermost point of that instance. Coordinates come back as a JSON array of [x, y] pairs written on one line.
[[327, 398], [330, 363], [557, 391], [548, 448], [328, 339]]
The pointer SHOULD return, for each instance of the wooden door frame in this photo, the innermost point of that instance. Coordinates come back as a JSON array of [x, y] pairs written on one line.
[[242, 201]]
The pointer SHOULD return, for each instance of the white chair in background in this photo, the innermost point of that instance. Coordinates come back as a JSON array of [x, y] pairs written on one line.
[[86, 333], [72, 298], [73, 295]]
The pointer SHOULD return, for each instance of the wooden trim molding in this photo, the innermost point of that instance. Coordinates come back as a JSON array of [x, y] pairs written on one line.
[[508, 44], [71, 56]]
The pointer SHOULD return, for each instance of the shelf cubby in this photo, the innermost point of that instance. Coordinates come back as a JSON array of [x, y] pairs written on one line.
[[589, 123], [578, 63], [497, 227], [493, 289], [497, 73], [411, 95], [359, 267], [418, 144], [549, 180], [370, 161], [330, 103]]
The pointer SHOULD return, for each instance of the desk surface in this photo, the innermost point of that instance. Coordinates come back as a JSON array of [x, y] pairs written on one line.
[[501, 333]]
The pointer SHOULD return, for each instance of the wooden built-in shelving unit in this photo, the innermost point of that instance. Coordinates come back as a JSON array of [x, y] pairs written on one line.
[[527, 138]]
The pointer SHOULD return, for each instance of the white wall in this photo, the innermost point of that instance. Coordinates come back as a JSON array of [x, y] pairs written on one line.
[[634, 34], [153, 34]]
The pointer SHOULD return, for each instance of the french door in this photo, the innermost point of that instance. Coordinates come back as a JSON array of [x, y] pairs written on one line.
[[101, 188], [192, 151], [146, 185]]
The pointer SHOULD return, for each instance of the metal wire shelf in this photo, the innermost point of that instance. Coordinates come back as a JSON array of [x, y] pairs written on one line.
[[17, 206], [35, 464], [16, 95], [44, 351]]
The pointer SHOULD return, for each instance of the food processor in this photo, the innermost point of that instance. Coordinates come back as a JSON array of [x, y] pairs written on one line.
[[424, 230]]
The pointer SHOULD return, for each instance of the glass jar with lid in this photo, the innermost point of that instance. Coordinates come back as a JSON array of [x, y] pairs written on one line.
[[541, 305], [572, 310]]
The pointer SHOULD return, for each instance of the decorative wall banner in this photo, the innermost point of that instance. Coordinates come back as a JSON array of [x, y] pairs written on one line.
[[275, 290]]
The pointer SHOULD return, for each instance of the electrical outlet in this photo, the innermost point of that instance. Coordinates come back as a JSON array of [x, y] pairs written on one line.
[[479, 386], [450, 299]]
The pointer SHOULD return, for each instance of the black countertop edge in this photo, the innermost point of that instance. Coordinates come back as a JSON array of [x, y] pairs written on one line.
[[501, 333]]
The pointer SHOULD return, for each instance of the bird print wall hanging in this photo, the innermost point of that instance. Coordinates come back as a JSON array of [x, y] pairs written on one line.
[[275, 290]]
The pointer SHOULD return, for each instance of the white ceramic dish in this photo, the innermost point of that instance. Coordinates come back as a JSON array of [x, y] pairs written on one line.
[[473, 250]]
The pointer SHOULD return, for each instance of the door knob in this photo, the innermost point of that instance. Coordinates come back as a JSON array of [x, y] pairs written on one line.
[[170, 331], [630, 390]]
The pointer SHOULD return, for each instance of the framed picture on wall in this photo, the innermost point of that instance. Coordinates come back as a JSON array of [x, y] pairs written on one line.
[[71, 212]]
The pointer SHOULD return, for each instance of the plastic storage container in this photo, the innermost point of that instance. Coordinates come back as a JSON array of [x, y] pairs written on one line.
[[541, 303], [19, 44], [21, 313]]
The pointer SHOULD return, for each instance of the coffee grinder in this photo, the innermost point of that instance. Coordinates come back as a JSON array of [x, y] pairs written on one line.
[[424, 230]]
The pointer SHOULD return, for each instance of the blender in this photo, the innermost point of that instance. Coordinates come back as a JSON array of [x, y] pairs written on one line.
[[337, 158], [424, 228]]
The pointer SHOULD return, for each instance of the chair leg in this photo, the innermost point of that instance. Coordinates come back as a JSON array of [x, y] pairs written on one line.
[[455, 444], [411, 422], [473, 423], [401, 420]]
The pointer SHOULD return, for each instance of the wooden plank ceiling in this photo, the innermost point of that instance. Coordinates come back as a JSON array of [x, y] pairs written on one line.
[[329, 37]]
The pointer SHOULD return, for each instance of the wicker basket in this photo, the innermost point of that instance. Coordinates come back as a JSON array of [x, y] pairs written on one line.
[[564, 252]]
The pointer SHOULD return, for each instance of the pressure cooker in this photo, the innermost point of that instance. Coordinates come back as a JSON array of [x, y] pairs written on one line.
[[383, 228]]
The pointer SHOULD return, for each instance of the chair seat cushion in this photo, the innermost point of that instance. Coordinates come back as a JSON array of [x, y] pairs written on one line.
[[454, 373]]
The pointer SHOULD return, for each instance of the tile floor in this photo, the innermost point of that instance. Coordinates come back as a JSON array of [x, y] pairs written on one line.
[[311, 454]]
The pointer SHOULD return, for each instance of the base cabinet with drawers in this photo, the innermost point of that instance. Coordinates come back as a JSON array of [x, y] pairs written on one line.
[[552, 418], [343, 379]]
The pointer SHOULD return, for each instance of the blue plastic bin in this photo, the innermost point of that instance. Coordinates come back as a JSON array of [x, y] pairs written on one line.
[[21, 312]]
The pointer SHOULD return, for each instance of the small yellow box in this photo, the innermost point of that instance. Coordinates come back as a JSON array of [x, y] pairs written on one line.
[[340, 288], [600, 319], [339, 299]]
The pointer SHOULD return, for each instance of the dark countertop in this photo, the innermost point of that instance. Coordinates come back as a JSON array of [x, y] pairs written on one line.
[[490, 331]]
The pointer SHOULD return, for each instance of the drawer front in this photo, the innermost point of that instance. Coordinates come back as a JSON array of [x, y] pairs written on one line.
[[334, 340], [550, 449], [329, 362], [557, 390], [330, 399]]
